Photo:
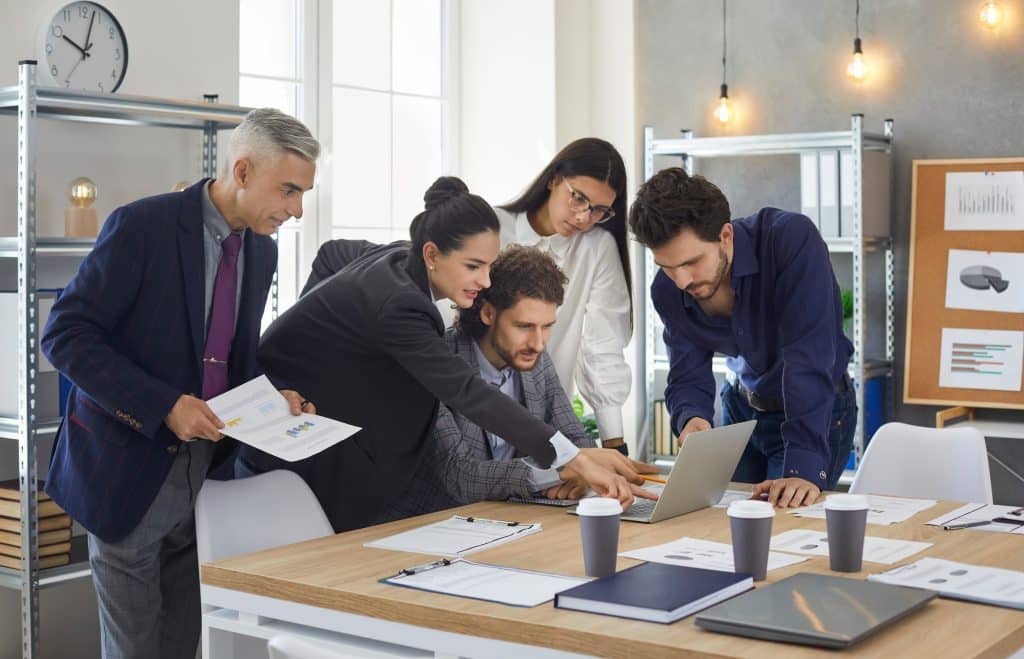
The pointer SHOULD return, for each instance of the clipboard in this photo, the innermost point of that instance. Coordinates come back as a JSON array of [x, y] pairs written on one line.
[[484, 582], [456, 536]]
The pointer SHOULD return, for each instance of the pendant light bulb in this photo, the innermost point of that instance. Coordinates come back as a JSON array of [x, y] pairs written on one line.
[[723, 111], [991, 14], [857, 69]]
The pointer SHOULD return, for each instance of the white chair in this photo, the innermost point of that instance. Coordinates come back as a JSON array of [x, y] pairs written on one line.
[[928, 463], [250, 514]]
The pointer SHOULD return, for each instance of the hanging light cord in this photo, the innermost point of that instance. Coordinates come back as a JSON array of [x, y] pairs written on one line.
[[724, 40], [857, 21]]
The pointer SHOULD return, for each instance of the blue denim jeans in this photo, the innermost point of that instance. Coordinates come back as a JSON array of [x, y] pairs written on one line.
[[762, 459]]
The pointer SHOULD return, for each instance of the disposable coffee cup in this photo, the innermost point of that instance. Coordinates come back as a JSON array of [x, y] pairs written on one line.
[[599, 529], [845, 517], [751, 526]]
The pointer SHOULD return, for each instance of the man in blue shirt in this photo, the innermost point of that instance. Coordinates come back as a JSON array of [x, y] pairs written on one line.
[[760, 290]]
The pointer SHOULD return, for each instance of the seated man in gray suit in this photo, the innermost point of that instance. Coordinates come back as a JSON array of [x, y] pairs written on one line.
[[503, 335]]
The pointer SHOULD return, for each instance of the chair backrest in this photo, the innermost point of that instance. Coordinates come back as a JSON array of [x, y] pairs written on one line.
[[928, 463], [249, 514]]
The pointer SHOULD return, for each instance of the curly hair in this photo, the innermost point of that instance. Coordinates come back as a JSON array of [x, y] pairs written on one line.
[[672, 201], [518, 272]]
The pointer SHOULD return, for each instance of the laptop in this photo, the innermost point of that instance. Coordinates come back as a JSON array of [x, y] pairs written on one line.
[[698, 479], [815, 609]]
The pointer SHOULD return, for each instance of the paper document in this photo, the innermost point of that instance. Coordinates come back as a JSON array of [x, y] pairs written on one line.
[[1001, 519], [876, 550], [256, 414], [456, 536], [984, 201], [985, 281], [981, 359], [731, 495], [492, 583], [692, 552], [974, 583], [883, 510]]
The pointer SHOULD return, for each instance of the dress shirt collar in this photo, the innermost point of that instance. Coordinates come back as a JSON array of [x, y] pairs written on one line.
[[491, 375], [744, 260], [525, 235], [213, 220]]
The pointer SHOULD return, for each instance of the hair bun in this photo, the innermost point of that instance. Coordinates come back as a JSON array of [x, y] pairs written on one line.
[[443, 189]]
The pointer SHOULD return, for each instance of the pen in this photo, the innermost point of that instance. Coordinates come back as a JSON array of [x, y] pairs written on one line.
[[653, 479], [965, 525], [491, 521], [409, 571]]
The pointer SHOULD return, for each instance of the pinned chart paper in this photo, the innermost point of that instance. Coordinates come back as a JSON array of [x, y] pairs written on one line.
[[984, 201], [882, 510], [876, 550], [981, 359], [691, 552], [256, 414], [985, 281]]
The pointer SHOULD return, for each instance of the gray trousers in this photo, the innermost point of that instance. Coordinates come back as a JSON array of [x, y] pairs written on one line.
[[147, 584]]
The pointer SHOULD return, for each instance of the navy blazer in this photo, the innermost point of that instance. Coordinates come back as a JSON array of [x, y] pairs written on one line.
[[129, 332]]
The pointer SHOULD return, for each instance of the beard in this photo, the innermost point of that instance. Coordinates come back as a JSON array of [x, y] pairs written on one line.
[[716, 283], [508, 356]]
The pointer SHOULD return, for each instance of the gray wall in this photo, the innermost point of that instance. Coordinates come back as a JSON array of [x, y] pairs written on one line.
[[954, 89]]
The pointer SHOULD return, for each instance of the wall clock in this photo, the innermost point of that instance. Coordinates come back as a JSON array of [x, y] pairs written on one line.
[[84, 48]]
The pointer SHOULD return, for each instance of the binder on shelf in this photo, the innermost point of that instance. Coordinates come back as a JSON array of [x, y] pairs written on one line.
[[44, 550], [828, 193], [45, 537], [43, 562], [13, 525]]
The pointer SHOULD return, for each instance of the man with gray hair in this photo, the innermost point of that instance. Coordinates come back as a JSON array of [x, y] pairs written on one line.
[[163, 315]]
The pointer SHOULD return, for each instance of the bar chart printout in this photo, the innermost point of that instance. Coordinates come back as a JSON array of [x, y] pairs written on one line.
[[981, 359], [984, 201]]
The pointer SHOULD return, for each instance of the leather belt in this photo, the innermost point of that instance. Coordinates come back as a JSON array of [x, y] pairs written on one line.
[[765, 404]]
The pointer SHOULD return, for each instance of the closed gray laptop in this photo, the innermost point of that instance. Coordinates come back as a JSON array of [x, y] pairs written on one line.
[[814, 609], [702, 470]]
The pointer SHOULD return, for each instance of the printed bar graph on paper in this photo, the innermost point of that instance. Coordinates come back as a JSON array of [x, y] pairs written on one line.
[[979, 358]]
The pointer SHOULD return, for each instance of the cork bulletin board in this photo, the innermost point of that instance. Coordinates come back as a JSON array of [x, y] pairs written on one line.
[[964, 295]]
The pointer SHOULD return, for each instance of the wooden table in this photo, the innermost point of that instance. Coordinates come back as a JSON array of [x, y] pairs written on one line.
[[332, 583]]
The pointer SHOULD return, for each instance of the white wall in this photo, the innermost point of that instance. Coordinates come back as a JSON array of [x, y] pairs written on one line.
[[180, 50]]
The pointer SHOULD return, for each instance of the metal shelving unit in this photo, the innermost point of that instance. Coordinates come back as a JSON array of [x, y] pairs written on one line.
[[865, 364], [31, 103]]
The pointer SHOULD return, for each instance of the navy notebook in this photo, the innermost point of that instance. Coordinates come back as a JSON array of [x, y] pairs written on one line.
[[655, 592]]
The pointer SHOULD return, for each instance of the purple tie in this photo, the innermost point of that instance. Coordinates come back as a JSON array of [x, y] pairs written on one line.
[[222, 320]]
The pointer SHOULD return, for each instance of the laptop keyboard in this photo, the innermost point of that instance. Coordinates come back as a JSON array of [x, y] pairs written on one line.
[[641, 508]]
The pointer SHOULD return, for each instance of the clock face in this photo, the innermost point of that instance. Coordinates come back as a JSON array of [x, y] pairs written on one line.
[[85, 48]]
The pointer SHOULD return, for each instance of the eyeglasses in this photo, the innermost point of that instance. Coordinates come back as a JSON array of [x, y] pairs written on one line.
[[578, 203]]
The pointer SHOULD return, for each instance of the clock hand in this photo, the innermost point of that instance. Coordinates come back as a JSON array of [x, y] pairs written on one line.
[[77, 47], [88, 44], [67, 79]]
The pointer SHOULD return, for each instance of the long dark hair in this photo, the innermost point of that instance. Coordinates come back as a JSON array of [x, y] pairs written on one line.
[[451, 215], [599, 160]]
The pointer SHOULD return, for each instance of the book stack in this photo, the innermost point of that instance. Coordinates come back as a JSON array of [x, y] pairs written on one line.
[[54, 529]]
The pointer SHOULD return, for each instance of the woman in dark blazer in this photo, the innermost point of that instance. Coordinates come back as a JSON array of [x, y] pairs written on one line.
[[366, 344]]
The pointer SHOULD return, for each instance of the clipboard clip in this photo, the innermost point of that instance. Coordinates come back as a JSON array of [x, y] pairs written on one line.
[[489, 521], [416, 569]]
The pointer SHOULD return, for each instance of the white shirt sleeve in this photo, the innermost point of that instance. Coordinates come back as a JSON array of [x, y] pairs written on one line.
[[602, 374], [565, 451]]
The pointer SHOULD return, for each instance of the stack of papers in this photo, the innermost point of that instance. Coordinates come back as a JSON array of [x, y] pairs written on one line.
[[456, 536], [876, 550], [731, 495], [705, 554], [1001, 519], [883, 510], [974, 583]]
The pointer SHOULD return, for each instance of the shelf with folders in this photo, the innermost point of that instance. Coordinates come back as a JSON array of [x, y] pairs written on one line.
[[31, 103], [855, 228]]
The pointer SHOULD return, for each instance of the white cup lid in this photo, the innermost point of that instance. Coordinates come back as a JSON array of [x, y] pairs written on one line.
[[751, 509], [599, 507], [846, 502]]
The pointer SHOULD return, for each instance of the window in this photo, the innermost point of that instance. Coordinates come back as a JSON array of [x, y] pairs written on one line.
[[270, 62], [388, 96]]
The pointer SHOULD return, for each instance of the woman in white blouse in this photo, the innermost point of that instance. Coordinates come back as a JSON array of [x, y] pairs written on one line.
[[575, 210]]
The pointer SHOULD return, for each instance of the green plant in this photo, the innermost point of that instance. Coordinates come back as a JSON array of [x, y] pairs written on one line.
[[588, 420], [847, 303]]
